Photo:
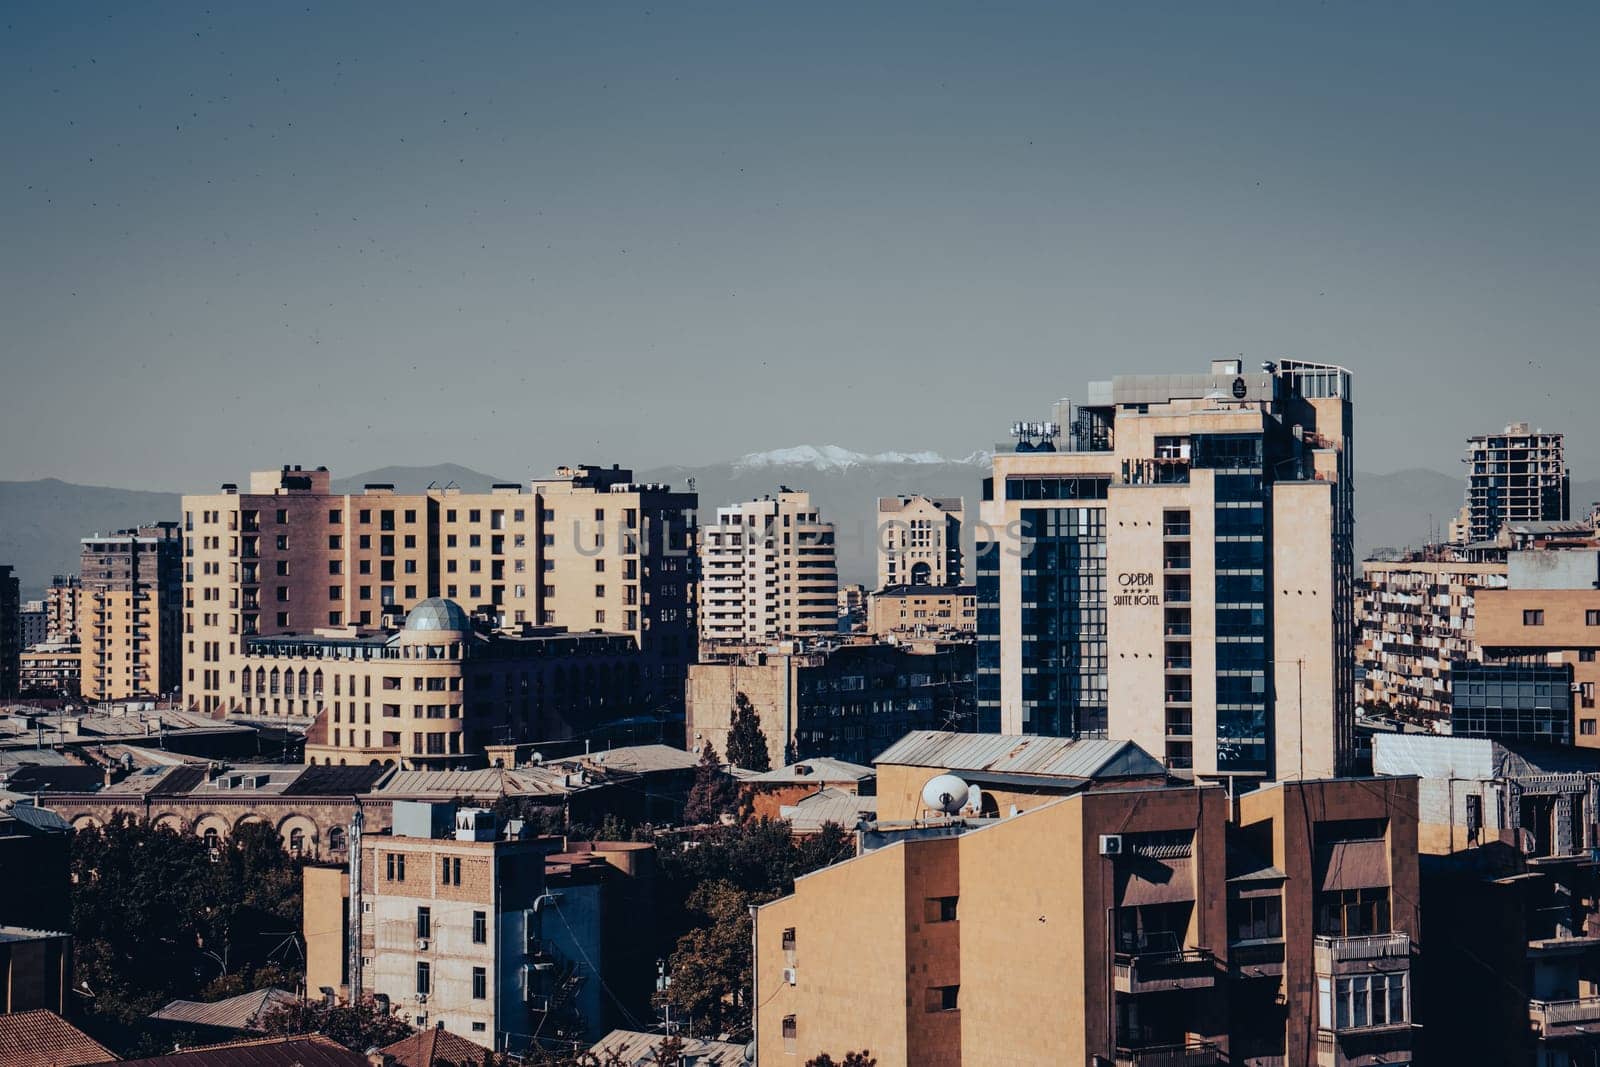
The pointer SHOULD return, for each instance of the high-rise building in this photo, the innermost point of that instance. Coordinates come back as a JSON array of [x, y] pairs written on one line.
[[61, 609], [1172, 563], [132, 613], [10, 631], [768, 571], [588, 550], [919, 540], [1516, 475]]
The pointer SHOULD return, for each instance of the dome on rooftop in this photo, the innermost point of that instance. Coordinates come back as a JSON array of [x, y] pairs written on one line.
[[438, 614]]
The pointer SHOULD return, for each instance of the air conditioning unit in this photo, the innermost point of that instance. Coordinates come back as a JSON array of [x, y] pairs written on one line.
[[422, 944], [1110, 844], [790, 975]]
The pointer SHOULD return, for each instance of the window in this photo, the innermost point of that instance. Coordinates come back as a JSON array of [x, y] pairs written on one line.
[[335, 516], [940, 909], [1586, 727], [1585, 655], [1256, 919], [1362, 1001], [599, 565], [1352, 912], [480, 983], [424, 922], [424, 979], [449, 869], [480, 928], [943, 997], [395, 870], [1591, 617], [1533, 617], [790, 1034]]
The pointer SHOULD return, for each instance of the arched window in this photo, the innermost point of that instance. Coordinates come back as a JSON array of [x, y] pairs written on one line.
[[297, 841], [316, 683], [336, 839], [272, 679], [261, 680], [213, 840]]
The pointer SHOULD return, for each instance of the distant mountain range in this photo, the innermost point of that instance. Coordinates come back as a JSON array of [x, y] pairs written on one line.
[[42, 521]]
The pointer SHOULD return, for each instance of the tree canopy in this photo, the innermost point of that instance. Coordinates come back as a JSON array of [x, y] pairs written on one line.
[[713, 794], [747, 742]]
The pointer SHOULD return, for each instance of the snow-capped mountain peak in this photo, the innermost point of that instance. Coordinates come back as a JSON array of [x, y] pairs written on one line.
[[833, 457]]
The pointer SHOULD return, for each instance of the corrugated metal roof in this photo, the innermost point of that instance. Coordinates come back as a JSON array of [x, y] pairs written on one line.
[[1057, 757], [829, 806], [1436, 756], [35, 818], [242, 1012], [638, 1049], [642, 759], [820, 769], [489, 782]]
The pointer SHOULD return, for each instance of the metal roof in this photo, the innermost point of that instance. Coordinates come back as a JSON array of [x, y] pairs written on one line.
[[1054, 757], [490, 782], [826, 806], [36, 818], [638, 1049], [819, 769], [242, 1012], [306, 1050], [325, 780], [1436, 756], [642, 759]]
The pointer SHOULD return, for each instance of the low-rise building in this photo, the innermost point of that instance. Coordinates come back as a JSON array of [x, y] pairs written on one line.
[[51, 669], [35, 969], [437, 691], [847, 698], [470, 924], [1286, 934], [920, 610], [766, 794], [1540, 644], [37, 841], [1511, 898]]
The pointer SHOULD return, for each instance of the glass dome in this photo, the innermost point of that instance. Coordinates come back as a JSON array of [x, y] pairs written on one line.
[[439, 614]]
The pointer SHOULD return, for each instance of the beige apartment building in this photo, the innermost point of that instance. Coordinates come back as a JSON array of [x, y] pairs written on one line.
[[919, 540], [1416, 616], [447, 919], [587, 550], [768, 571], [131, 614], [1155, 929], [1172, 562], [922, 609], [436, 691], [50, 668]]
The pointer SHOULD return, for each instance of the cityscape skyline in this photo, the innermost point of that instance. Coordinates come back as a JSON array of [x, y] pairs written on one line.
[[223, 216]]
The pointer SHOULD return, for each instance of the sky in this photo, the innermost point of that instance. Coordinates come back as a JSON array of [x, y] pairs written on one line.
[[513, 235]]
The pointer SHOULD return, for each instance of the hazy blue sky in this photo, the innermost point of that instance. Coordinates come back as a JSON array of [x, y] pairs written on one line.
[[508, 235]]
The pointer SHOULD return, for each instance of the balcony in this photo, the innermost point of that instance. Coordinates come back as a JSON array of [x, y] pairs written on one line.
[[1349, 955], [1555, 1020], [1256, 959], [1197, 1055], [1157, 972]]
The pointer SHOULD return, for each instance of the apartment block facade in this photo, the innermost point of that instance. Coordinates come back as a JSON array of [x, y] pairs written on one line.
[[447, 919], [922, 609], [588, 550], [1173, 562], [436, 692], [1153, 931], [10, 631], [848, 699], [131, 613], [1539, 639], [919, 540], [61, 609], [768, 571], [1517, 475], [1415, 617]]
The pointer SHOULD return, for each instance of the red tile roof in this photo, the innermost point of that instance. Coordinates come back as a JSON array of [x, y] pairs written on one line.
[[44, 1039], [305, 1050], [423, 1049]]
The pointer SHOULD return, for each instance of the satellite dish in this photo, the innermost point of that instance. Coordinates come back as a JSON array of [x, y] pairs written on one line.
[[945, 793]]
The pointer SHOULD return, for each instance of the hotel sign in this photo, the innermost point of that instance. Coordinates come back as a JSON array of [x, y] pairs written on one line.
[[1137, 589]]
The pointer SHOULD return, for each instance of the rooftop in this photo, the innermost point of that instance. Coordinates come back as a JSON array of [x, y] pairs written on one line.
[[828, 805], [305, 1050], [637, 1048], [242, 1012], [422, 1049], [1022, 754], [819, 769], [1437, 756], [44, 1039]]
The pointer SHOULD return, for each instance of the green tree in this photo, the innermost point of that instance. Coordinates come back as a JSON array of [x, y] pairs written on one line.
[[747, 742], [714, 791], [851, 1059], [156, 916], [711, 965], [357, 1027]]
